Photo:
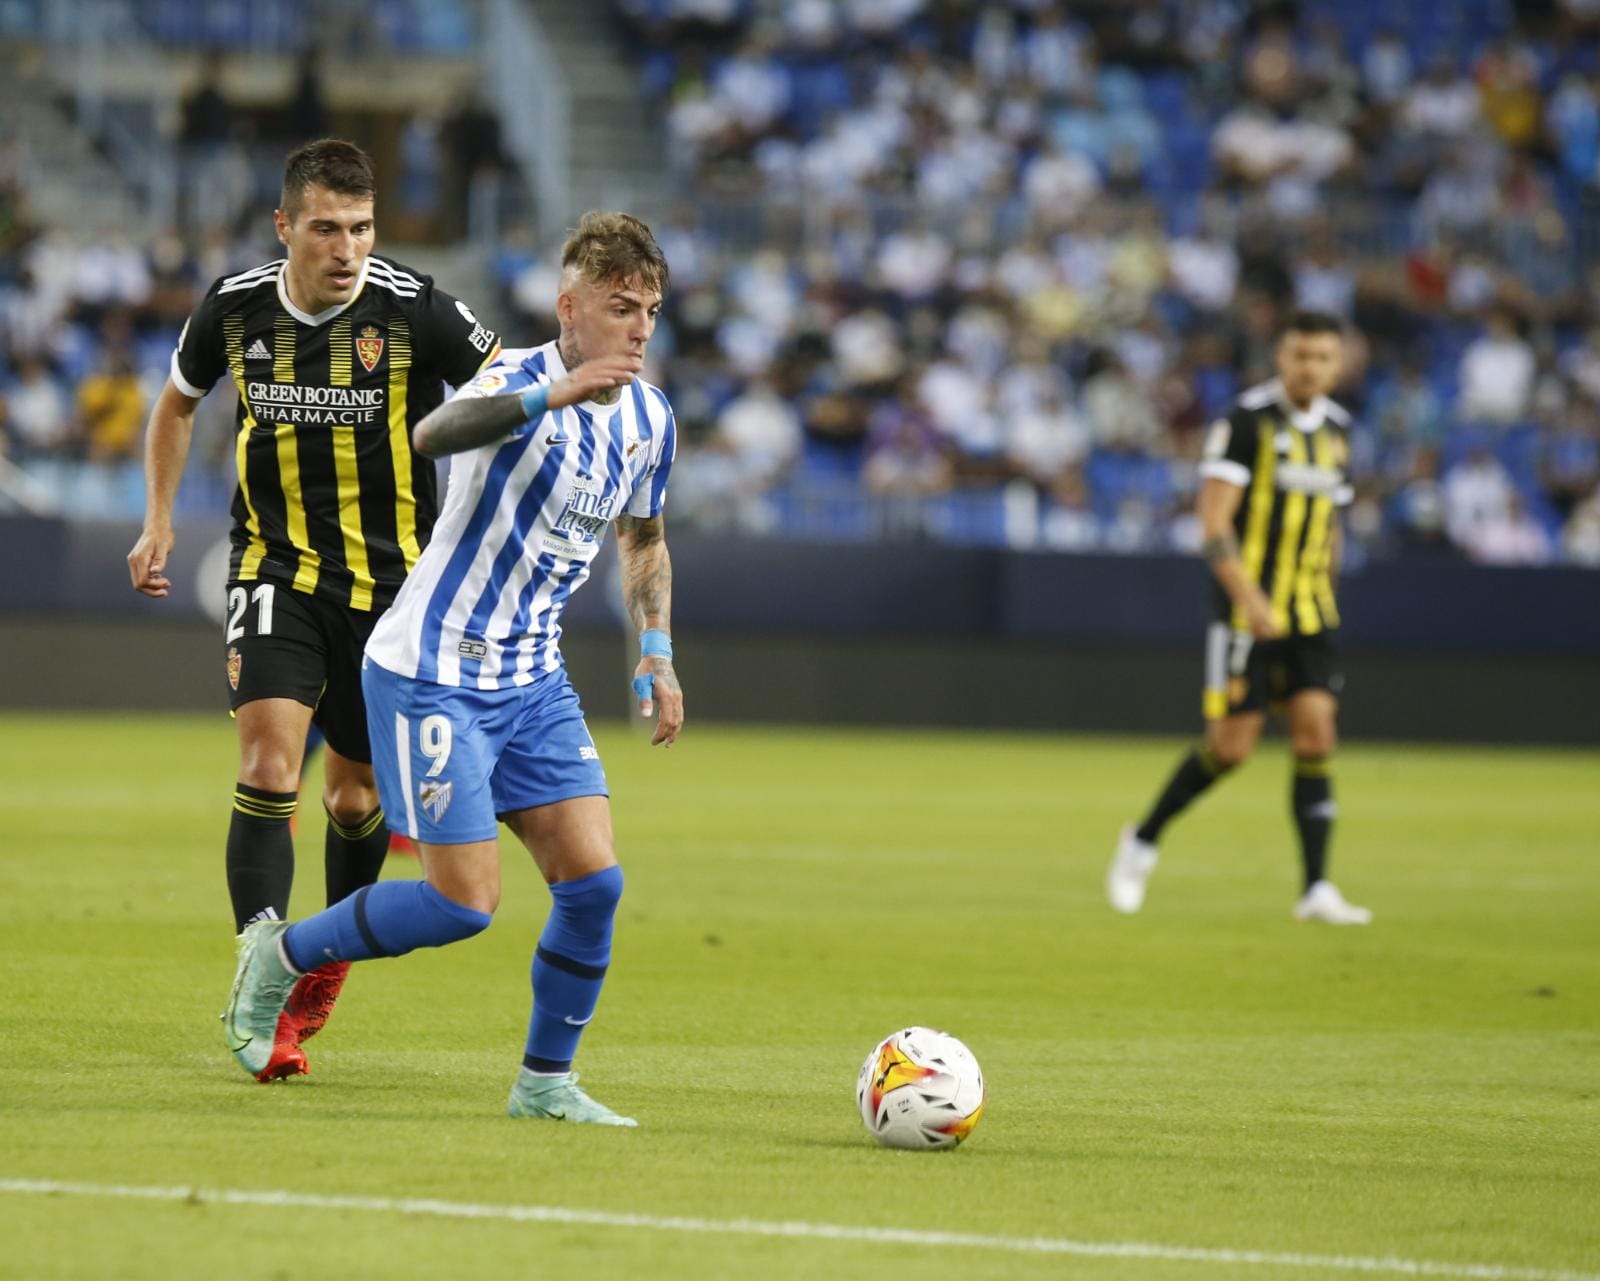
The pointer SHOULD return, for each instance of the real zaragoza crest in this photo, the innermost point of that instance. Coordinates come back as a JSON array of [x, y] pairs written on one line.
[[369, 346]]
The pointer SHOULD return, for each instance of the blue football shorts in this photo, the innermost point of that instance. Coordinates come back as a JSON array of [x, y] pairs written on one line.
[[450, 760]]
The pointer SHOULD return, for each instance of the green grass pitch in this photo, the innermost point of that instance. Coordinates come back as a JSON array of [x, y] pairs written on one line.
[[1207, 1074]]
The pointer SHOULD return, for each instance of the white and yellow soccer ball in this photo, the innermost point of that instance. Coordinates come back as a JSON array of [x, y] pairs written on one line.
[[920, 1089]]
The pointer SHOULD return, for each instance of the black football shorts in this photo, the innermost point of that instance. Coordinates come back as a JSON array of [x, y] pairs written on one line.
[[1248, 675], [282, 643]]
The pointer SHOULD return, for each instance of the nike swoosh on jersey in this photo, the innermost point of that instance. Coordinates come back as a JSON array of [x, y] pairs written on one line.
[[556, 438]]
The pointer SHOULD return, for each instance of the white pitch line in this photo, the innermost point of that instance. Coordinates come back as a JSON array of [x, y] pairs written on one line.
[[791, 1229]]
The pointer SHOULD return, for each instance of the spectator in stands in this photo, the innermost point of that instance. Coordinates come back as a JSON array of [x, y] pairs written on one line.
[[1497, 371], [1120, 411], [1070, 523], [1463, 195], [751, 88], [1324, 277], [1569, 463], [1057, 185], [761, 431], [1046, 439], [1580, 540], [1444, 105], [1508, 87], [1407, 412], [208, 116], [1419, 507], [421, 176], [111, 407], [1582, 365], [39, 420], [1573, 120], [1478, 493], [1204, 266], [307, 114], [1511, 537], [906, 455], [1272, 142], [1386, 68]]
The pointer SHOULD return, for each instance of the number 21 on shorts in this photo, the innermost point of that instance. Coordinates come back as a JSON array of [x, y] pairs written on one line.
[[238, 599]]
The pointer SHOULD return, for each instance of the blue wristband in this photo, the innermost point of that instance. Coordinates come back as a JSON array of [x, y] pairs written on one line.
[[655, 643], [535, 401]]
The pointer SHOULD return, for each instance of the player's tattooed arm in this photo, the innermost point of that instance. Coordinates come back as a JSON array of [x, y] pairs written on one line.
[[1220, 547], [466, 423], [647, 592], [1217, 506], [646, 571], [470, 421]]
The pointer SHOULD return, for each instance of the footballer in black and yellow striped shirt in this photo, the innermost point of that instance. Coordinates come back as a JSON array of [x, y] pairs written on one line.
[[1274, 475], [336, 353]]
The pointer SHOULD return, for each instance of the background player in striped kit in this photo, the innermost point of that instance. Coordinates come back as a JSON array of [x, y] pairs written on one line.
[[1274, 473], [336, 354], [471, 714]]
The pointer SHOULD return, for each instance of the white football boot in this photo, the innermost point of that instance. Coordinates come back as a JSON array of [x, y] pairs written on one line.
[[1323, 902], [1130, 868]]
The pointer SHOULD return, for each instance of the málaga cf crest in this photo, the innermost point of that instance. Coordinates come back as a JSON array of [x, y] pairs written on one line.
[[435, 797], [369, 346]]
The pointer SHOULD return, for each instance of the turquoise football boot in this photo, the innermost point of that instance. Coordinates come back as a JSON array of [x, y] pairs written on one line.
[[261, 988], [558, 1098]]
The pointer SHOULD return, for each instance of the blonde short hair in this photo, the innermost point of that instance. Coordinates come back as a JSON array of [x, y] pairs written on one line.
[[615, 247]]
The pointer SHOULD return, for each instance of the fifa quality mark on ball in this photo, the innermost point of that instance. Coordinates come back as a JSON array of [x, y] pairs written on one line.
[[920, 1090]]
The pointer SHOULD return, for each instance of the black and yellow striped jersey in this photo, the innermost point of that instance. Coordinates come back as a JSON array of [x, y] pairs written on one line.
[[1294, 468], [332, 499]]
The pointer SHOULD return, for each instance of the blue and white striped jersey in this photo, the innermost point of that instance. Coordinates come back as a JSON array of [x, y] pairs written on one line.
[[522, 520]]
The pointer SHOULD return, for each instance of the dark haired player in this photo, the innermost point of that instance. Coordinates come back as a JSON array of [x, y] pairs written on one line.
[[1274, 472], [336, 354]]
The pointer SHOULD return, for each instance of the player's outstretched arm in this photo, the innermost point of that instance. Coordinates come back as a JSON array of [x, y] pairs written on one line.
[[468, 422], [1219, 502], [166, 450], [647, 592]]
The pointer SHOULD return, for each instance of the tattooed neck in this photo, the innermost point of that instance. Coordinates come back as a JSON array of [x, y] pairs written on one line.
[[572, 356]]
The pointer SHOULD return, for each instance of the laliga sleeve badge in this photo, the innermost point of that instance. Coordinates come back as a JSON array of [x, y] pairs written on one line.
[[235, 661]]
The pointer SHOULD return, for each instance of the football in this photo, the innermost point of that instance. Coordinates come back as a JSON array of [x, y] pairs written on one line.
[[920, 1089]]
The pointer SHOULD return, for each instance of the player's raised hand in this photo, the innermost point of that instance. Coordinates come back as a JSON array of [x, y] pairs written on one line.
[[656, 685], [600, 374], [147, 562]]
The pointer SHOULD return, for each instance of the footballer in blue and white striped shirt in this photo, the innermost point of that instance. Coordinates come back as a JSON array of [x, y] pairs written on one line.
[[470, 712]]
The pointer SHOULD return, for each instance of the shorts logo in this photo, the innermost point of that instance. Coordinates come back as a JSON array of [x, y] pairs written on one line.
[[588, 754], [1238, 688], [369, 346], [235, 661], [435, 797]]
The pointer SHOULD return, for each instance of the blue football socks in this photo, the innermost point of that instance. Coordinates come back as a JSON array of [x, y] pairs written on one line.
[[569, 967], [387, 919]]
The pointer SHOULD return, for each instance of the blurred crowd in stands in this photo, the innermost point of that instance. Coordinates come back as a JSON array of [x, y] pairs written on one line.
[[987, 271], [946, 247]]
